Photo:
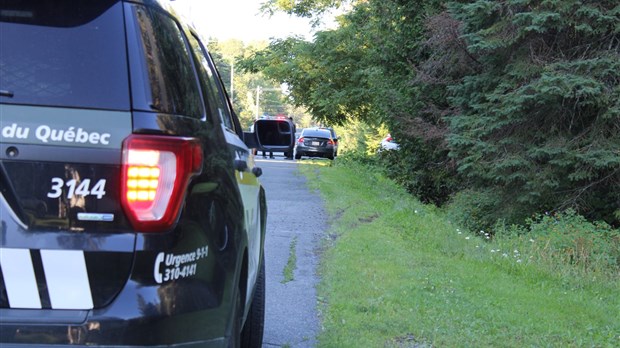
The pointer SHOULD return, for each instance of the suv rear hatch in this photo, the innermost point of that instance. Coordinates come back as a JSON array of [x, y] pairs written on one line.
[[275, 134], [64, 112]]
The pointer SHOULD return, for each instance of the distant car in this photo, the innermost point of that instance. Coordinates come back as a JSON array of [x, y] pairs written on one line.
[[315, 142], [335, 138], [388, 143]]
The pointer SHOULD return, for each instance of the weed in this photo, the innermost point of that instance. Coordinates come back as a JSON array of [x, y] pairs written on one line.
[[291, 265], [568, 244]]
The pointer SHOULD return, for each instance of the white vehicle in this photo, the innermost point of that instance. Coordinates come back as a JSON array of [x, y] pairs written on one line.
[[388, 143]]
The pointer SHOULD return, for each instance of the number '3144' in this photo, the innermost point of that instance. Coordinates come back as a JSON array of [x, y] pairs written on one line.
[[74, 188]]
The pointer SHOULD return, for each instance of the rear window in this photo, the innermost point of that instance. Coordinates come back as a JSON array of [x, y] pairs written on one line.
[[331, 131], [63, 53], [165, 59], [317, 133]]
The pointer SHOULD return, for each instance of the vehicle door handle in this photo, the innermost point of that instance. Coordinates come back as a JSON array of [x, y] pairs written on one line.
[[241, 165]]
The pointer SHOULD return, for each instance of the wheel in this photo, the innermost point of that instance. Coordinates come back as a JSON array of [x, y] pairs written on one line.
[[234, 340], [252, 334], [297, 156]]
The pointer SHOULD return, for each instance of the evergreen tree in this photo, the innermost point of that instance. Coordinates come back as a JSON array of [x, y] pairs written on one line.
[[538, 124]]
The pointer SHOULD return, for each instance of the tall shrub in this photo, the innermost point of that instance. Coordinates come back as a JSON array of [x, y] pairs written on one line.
[[539, 122]]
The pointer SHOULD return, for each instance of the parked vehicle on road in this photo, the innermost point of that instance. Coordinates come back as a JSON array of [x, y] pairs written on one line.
[[132, 214], [278, 134], [335, 138], [315, 142]]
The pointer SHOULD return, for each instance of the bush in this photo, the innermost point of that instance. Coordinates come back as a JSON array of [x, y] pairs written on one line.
[[567, 243], [423, 169], [473, 210], [570, 239]]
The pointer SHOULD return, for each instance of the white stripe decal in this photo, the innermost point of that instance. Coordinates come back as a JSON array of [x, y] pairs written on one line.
[[19, 278], [67, 279]]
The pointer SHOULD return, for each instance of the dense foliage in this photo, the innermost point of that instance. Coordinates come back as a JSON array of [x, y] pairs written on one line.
[[506, 108], [539, 121]]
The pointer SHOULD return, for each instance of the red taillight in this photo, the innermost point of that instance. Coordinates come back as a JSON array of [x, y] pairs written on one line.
[[301, 140], [330, 142], [156, 171]]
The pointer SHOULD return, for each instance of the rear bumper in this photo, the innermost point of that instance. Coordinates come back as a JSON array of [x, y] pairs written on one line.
[[212, 343], [186, 312], [40, 328], [315, 151]]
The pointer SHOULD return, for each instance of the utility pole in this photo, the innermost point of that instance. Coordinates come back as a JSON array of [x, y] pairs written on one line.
[[260, 89], [257, 103]]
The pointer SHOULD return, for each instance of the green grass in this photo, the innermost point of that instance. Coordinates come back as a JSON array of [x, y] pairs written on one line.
[[397, 273], [291, 264]]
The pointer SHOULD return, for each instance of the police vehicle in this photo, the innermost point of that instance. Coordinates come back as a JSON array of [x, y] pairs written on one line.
[[275, 134], [130, 206]]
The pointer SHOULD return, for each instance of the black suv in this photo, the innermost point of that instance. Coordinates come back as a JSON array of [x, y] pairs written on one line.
[[277, 135], [130, 207]]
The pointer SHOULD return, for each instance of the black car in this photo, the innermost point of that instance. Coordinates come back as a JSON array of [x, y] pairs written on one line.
[[131, 211], [335, 138], [315, 142]]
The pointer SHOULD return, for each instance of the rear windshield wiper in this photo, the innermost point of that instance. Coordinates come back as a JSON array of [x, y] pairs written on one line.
[[6, 93]]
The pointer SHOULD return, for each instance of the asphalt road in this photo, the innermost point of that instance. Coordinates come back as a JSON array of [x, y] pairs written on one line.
[[295, 217]]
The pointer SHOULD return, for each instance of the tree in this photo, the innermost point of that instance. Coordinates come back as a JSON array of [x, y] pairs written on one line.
[[271, 100], [539, 121], [365, 71], [302, 8], [521, 96]]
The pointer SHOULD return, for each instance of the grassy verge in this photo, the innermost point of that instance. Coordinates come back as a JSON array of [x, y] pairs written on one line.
[[397, 273]]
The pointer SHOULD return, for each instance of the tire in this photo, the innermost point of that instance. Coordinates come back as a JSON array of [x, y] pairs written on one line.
[[297, 156], [234, 340], [252, 333]]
